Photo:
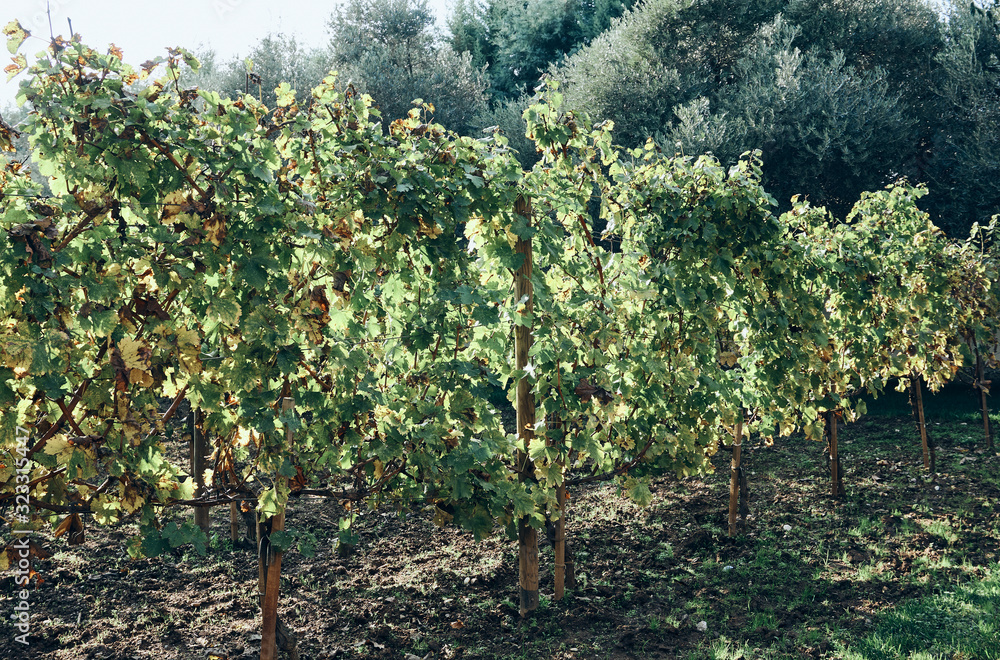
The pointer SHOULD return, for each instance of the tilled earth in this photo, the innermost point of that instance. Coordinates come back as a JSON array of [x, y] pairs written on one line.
[[807, 575]]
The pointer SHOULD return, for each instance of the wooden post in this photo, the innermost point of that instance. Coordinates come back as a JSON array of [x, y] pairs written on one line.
[[263, 550], [527, 536], [234, 522], [559, 546], [836, 474], [983, 405], [917, 402], [557, 530], [234, 516], [269, 572], [734, 479], [272, 582], [234, 512], [199, 462]]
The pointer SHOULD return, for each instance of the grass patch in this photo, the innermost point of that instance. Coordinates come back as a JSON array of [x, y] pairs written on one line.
[[963, 623]]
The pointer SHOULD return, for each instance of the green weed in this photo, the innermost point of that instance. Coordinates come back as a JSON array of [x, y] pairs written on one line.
[[959, 623]]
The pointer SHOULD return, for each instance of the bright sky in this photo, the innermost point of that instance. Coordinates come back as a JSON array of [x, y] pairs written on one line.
[[142, 29]]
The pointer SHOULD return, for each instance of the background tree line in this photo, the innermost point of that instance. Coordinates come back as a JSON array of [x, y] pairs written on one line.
[[840, 96]]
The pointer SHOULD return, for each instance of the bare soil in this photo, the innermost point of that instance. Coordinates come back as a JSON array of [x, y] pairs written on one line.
[[806, 577]]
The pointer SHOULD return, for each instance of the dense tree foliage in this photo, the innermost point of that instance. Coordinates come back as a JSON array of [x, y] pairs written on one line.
[[840, 97], [275, 59], [387, 48], [963, 163], [519, 39], [507, 119]]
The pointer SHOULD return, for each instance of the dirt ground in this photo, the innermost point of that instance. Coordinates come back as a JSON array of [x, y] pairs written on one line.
[[806, 578]]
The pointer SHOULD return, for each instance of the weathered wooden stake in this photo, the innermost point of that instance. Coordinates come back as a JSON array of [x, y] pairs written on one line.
[[917, 402], [268, 609], [272, 583], [557, 530], [269, 571], [735, 476], [983, 405], [527, 536], [559, 546], [199, 462], [234, 523], [234, 514], [836, 474]]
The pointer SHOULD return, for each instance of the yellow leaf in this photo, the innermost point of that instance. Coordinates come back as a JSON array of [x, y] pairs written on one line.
[[430, 229], [17, 352], [510, 236], [215, 229], [122, 407], [140, 377], [7, 136], [189, 347], [244, 437], [474, 226], [172, 204], [19, 65], [58, 445], [136, 355], [130, 498], [15, 35], [442, 517]]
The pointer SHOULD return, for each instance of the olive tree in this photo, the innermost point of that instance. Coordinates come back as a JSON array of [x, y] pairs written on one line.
[[387, 48]]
